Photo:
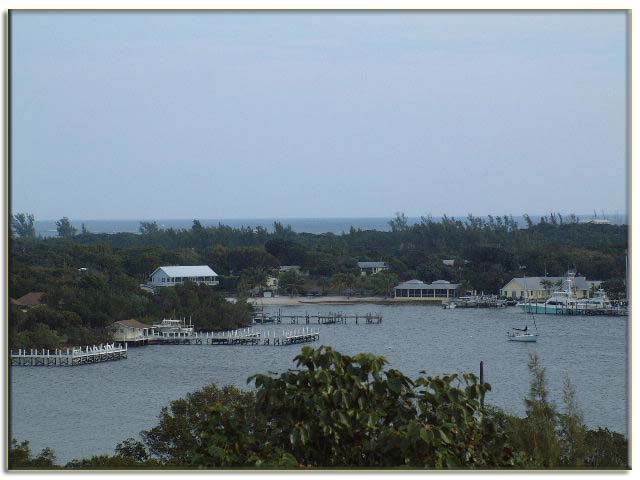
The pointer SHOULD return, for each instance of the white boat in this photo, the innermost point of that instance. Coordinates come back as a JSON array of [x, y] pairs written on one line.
[[558, 303], [523, 334], [171, 328], [520, 336], [598, 301]]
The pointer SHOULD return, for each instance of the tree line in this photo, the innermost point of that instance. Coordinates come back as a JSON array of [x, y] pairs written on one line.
[[488, 252], [91, 279]]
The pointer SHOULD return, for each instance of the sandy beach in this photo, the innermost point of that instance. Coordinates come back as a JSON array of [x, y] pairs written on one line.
[[325, 300]]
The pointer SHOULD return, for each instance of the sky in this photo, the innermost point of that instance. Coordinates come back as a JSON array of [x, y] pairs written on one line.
[[129, 115]]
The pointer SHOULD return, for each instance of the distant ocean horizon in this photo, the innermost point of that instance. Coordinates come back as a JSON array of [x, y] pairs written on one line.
[[47, 228]]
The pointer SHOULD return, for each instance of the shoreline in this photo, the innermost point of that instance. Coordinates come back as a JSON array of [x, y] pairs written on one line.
[[333, 300]]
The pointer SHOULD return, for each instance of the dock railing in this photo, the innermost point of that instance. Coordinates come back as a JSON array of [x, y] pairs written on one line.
[[68, 356]]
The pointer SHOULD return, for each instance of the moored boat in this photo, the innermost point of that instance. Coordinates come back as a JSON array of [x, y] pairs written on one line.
[[557, 304], [170, 328], [522, 337], [599, 301]]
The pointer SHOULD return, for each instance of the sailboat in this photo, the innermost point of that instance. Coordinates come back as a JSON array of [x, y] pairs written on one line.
[[523, 334]]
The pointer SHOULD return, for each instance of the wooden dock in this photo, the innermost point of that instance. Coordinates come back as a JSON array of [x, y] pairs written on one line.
[[480, 301], [606, 312], [319, 319], [245, 336], [67, 357]]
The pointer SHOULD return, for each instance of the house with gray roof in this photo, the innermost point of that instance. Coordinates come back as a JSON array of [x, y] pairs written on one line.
[[541, 288], [370, 268], [419, 290], [170, 276]]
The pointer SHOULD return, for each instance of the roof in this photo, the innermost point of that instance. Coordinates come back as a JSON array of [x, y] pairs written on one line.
[[187, 271], [284, 268], [535, 283], [31, 299], [439, 284], [372, 264], [131, 323]]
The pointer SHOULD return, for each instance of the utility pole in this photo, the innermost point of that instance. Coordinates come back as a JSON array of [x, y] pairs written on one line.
[[482, 380]]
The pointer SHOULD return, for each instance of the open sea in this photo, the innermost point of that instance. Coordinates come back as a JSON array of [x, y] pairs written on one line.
[[47, 228], [86, 410]]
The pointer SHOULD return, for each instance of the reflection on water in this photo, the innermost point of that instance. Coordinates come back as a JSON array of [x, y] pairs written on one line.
[[87, 410]]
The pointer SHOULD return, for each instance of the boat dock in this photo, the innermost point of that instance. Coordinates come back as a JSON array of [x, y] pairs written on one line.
[[590, 311], [69, 356], [246, 336], [320, 318], [483, 301], [110, 352]]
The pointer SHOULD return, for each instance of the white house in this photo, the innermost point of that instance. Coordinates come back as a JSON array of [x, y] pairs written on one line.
[[176, 275], [371, 267]]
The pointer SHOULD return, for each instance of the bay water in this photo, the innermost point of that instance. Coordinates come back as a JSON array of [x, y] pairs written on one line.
[[86, 410]]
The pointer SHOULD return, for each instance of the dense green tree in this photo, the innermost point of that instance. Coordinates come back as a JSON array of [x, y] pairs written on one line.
[[23, 225], [149, 228], [178, 438], [20, 457], [399, 223], [615, 288], [341, 411], [65, 229], [291, 282]]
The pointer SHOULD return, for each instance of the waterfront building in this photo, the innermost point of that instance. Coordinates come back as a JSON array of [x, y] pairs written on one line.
[[176, 275], [541, 288], [417, 290], [370, 268], [130, 330]]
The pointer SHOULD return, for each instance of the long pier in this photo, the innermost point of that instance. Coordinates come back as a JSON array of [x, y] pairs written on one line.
[[245, 336], [593, 311], [320, 318], [69, 356]]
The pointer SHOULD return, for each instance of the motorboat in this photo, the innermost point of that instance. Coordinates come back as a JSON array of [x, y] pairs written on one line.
[[171, 328], [558, 303], [598, 301], [261, 317]]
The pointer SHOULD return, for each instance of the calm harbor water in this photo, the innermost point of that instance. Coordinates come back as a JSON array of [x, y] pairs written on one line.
[[87, 410]]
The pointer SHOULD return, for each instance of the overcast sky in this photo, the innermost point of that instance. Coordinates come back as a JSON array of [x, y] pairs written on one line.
[[249, 115]]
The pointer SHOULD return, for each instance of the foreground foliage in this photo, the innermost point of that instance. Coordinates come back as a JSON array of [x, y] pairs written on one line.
[[341, 411]]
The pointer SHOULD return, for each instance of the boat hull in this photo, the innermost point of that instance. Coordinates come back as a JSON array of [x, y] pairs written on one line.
[[523, 338], [542, 308]]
